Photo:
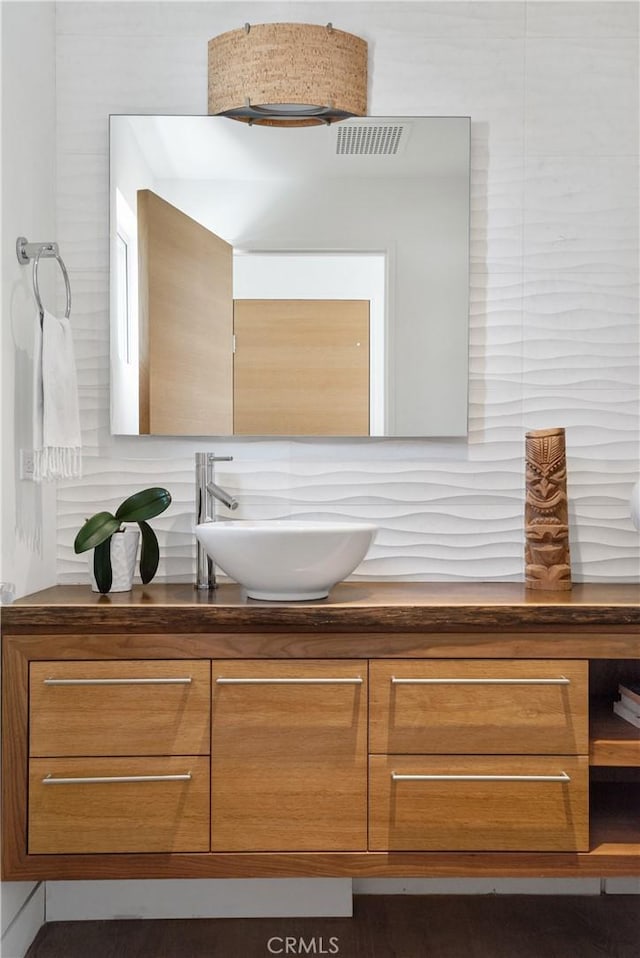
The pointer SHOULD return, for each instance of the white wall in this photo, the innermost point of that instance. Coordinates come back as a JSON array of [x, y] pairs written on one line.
[[28, 516], [553, 95], [28, 209]]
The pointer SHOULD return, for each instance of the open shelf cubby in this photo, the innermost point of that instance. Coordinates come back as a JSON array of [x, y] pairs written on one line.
[[615, 816], [612, 741]]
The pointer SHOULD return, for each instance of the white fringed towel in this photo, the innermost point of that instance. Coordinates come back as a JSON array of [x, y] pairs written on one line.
[[56, 418]]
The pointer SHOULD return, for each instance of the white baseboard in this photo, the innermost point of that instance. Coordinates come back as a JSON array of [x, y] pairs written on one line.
[[13, 897], [20, 931], [622, 886], [200, 898], [282, 898], [476, 886]]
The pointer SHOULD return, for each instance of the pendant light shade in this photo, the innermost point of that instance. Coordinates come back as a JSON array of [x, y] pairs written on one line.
[[288, 74]]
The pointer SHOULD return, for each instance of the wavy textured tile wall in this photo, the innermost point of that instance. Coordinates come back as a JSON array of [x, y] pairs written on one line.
[[554, 337]]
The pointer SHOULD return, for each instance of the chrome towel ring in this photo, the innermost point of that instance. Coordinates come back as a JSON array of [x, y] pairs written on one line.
[[36, 251]]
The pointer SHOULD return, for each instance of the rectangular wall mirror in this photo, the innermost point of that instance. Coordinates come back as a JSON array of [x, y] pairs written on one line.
[[311, 281]]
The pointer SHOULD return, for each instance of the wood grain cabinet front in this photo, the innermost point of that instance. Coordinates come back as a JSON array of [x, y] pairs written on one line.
[[158, 707], [289, 756], [119, 756], [466, 803], [478, 755], [396, 730], [81, 805], [476, 706]]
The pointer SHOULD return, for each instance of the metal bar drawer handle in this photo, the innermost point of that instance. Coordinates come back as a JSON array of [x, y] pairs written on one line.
[[99, 780], [179, 681], [232, 681], [562, 777], [561, 681]]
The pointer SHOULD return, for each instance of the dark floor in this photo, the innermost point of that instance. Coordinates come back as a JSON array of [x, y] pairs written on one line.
[[389, 926]]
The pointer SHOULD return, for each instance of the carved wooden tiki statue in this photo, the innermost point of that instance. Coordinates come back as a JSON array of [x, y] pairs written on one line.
[[546, 517]]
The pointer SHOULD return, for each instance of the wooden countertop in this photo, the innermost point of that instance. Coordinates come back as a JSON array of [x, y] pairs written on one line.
[[350, 607]]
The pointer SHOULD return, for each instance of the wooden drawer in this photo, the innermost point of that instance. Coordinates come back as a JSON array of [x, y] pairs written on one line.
[[479, 706], [498, 814], [154, 814], [289, 761], [157, 707]]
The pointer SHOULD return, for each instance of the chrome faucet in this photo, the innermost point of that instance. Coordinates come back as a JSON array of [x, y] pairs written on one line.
[[207, 491]]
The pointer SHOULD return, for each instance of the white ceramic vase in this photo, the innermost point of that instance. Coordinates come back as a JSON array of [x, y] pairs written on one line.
[[124, 550]]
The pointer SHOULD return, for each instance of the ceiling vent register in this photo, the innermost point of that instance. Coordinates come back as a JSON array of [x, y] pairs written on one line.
[[369, 140]]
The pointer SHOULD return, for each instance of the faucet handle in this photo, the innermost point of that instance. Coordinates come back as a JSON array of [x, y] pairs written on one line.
[[205, 457]]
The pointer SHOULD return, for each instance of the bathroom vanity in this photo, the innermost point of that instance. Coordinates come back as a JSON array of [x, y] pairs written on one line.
[[393, 729]]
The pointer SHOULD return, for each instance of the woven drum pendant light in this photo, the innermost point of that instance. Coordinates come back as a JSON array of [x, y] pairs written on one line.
[[288, 74]]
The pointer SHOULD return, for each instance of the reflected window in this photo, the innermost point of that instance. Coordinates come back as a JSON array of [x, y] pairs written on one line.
[[124, 317], [126, 254]]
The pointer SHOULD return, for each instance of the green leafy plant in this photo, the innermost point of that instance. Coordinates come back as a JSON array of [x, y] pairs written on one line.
[[97, 531]]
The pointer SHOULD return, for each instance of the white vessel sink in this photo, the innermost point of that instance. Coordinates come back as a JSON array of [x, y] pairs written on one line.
[[286, 559]]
